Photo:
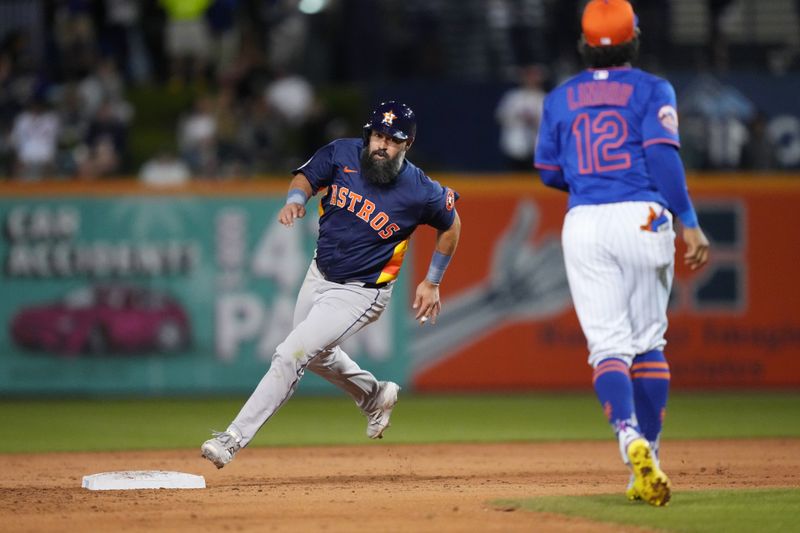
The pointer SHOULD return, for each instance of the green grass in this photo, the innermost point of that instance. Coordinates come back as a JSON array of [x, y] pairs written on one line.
[[74, 425], [762, 510]]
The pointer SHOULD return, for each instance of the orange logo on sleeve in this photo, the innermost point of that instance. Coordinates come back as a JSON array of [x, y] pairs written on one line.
[[348, 170]]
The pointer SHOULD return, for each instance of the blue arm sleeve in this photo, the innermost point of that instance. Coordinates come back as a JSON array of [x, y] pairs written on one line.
[[666, 169], [554, 178]]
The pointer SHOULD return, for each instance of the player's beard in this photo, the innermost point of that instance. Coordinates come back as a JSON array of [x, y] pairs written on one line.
[[380, 170]]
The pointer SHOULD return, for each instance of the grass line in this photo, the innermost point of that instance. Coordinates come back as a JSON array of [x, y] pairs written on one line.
[[731, 511], [121, 424]]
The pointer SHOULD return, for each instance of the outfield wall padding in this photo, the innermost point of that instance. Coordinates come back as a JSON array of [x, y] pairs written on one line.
[[116, 288]]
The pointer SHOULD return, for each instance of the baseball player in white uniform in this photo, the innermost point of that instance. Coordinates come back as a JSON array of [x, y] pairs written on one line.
[[609, 137]]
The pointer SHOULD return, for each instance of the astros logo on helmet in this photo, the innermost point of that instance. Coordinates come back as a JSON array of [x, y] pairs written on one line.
[[388, 118]]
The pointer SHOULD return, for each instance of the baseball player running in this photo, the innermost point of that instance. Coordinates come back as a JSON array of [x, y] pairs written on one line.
[[374, 200], [609, 137]]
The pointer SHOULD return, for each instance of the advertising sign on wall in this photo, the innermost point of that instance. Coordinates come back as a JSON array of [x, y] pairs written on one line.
[[183, 293], [508, 322], [149, 294]]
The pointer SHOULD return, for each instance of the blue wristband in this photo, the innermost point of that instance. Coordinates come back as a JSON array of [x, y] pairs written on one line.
[[297, 196], [689, 218], [438, 265]]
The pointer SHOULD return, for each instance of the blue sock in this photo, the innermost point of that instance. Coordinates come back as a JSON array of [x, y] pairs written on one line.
[[650, 376], [612, 384]]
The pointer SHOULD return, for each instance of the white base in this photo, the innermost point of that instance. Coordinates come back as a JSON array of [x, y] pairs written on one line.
[[143, 479]]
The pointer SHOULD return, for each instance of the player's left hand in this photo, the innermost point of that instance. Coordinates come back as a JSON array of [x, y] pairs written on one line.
[[696, 248], [426, 302]]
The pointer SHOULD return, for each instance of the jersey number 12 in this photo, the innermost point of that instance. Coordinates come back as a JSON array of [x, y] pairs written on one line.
[[598, 140]]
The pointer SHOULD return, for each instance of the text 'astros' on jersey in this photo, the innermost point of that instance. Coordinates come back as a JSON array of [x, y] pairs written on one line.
[[364, 227]]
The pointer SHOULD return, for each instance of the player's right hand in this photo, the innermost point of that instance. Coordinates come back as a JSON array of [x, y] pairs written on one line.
[[427, 302], [696, 248], [289, 212]]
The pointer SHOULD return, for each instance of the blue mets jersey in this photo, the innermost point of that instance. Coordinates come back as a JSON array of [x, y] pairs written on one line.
[[595, 128], [364, 228]]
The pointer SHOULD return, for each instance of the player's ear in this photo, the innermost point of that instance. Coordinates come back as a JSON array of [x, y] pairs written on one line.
[[408, 144]]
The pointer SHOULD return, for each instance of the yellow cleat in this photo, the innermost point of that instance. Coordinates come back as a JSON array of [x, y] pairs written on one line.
[[630, 491], [650, 483]]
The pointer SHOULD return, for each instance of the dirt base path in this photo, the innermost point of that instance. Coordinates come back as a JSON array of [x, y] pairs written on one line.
[[376, 487]]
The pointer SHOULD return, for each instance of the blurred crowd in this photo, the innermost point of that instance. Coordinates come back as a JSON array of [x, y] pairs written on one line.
[[247, 75], [68, 68]]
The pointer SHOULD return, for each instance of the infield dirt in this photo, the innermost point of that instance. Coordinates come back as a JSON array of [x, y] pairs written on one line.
[[375, 487]]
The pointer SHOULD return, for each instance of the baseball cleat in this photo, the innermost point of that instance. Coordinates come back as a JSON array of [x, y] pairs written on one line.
[[221, 448], [650, 483], [630, 491], [378, 419]]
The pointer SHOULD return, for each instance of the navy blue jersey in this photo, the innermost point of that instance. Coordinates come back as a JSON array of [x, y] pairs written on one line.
[[364, 228], [595, 127]]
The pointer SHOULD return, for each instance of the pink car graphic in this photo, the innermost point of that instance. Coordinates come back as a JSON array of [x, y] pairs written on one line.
[[104, 319]]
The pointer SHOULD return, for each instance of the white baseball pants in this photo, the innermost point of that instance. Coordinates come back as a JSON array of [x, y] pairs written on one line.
[[620, 276]]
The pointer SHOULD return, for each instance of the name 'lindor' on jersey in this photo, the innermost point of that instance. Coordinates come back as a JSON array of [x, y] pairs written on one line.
[[341, 196]]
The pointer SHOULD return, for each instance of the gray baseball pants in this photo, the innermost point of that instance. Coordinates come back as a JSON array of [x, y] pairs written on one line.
[[325, 315]]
